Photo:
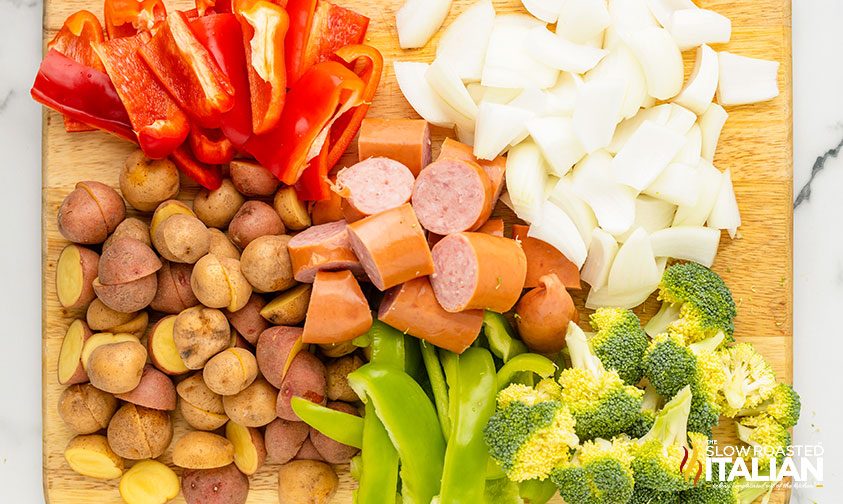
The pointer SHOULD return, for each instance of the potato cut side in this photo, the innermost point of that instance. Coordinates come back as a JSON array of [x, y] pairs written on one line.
[[99, 339], [290, 307], [91, 456], [292, 210], [136, 326], [246, 455], [70, 369], [162, 348], [149, 482], [69, 276]]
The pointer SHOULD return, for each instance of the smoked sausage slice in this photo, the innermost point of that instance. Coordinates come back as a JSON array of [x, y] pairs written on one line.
[[544, 314], [404, 140], [544, 259], [452, 195], [338, 310], [322, 248], [495, 169], [372, 186]]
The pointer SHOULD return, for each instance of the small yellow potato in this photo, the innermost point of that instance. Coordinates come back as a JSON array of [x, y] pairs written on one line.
[[290, 307], [182, 238], [216, 208], [86, 409], [200, 333], [292, 210], [102, 318], [202, 450], [91, 456], [249, 447], [149, 482], [166, 210], [266, 264], [337, 373], [138, 433], [200, 406], [336, 350], [76, 270], [70, 367], [145, 183], [116, 367], [307, 481], [98, 339], [230, 371], [218, 282], [132, 227], [222, 246], [254, 406], [136, 327], [162, 348]]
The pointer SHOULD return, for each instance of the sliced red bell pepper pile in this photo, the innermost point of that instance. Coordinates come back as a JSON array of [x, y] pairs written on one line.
[[188, 71], [159, 123], [208, 176], [264, 27], [205, 7], [210, 145], [314, 184], [126, 18], [74, 41]]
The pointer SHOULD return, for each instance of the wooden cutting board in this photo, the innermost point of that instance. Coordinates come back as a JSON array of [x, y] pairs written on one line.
[[756, 145]]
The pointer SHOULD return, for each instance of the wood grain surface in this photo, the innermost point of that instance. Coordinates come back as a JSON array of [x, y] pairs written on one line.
[[756, 145]]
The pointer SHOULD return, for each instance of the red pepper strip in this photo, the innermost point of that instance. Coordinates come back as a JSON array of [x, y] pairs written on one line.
[[314, 184], [205, 7], [301, 18], [158, 121], [81, 93], [324, 93], [221, 35], [126, 18], [210, 145], [208, 176], [346, 127], [188, 71], [74, 41], [264, 27]]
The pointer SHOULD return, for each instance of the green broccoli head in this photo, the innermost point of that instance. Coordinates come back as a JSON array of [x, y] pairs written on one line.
[[531, 431], [783, 404], [706, 304], [602, 404], [669, 364], [725, 491], [748, 378], [619, 342], [600, 473], [643, 495], [769, 438]]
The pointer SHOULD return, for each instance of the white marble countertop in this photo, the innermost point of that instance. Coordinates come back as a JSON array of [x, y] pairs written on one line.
[[818, 242]]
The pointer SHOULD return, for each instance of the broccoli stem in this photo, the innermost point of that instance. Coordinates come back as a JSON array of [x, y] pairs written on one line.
[[651, 398], [708, 345], [580, 351], [671, 425], [667, 314]]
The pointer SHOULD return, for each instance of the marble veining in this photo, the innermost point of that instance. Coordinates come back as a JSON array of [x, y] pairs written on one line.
[[804, 194]]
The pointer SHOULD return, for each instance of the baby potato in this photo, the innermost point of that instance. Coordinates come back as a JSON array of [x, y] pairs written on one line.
[[309, 452], [174, 293], [70, 367], [254, 219], [275, 351], [284, 439], [75, 273], [126, 260], [91, 456], [200, 333], [249, 448], [99, 339], [337, 350], [247, 320], [166, 210], [305, 378], [306, 481], [202, 450], [289, 307], [162, 348], [292, 210], [222, 246], [136, 327], [337, 373], [252, 179], [116, 367], [102, 318], [266, 264], [90, 213], [201, 407], [149, 482], [155, 391], [138, 433], [254, 406], [216, 208], [182, 238], [131, 227], [224, 485], [145, 183], [333, 451], [219, 283], [86, 409], [130, 296], [230, 371]]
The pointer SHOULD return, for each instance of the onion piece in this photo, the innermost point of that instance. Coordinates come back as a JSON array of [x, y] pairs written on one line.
[[658, 114], [694, 27], [689, 243], [562, 97], [497, 126], [563, 196], [677, 184], [709, 180], [556, 52], [532, 100], [702, 84], [634, 268], [681, 119], [482, 93], [583, 21], [626, 16], [546, 10], [450, 88], [711, 125], [465, 55], [660, 59], [604, 299], [663, 9], [526, 178], [725, 213], [691, 152], [621, 64], [418, 20], [667, 314], [597, 112], [556, 228], [613, 203], [601, 255], [557, 141], [646, 154], [745, 80], [508, 63], [651, 215], [424, 100]]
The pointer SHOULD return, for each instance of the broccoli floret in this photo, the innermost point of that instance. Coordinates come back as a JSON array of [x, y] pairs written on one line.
[[749, 379], [783, 404], [600, 473], [769, 439], [669, 364], [602, 404], [531, 431], [658, 323], [663, 460], [620, 342], [643, 495], [705, 302], [647, 415], [722, 491]]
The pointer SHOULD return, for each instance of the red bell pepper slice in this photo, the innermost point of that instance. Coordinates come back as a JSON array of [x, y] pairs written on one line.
[[188, 71], [127, 18], [159, 123], [208, 176], [222, 36], [314, 184], [74, 41], [82, 93], [324, 93], [205, 7], [210, 145], [264, 27]]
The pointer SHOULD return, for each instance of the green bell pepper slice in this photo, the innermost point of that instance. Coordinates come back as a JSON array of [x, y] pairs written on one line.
[[528, 362], [337, 425], [501, 337], [437, 385], [378, 465], [392, 347]]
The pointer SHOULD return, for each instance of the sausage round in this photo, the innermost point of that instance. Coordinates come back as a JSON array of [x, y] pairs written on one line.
[[493, 227], [391, 246], [305, 379], [404, 140], [338, 310], [544, 259], [452, 195], [543, 315], [322, 248], [495, 169], [478, 270], [412, 308], [372, 186]]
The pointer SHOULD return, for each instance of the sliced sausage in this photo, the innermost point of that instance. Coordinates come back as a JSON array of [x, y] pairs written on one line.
[[338, 310], [305, 379], [275, 351], [322, 248], [404, 140], [493, 227], [372, 186], [452, 195], [544, 259], [543, 315], [477, 270], [334, 452], [412, 308], [495, 169], [283, 439], [391, 246]]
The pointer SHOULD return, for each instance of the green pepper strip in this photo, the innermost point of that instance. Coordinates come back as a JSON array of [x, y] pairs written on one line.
[[501, 337], [534, 363], [410, 420], [437, 384], [387, 345], [379, 475], [536, 492], [337, 425], [473, 394]]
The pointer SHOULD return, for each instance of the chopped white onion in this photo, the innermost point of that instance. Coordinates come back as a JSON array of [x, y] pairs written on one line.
[[677, 184], [482, 93], [681, 119], [497, 126], [725, 213], [563, 195], [694, 27], [556, 228], [621, 64], [418, 20], [634, 268], [711, 124], [689, 243], [612, 203], [702, 84], [525, 180], [651, 214], [663, 9], [660, 59], [626, 16], [465, 55], [604, 299], [746, 80], [532, 100], [546, 10], [563, 95], [557, 141], [554, 51], [659, 115], [508, 63], [601, 255], [691, 152], [597, 112], [450, 88], [583, 21], [646, 154], [424, 100], [709, 180]]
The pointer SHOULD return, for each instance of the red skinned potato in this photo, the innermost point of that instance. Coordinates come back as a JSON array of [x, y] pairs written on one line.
[[252, 179], [253, 220], [543, 315], [174, 293], [131, 227], [70, 368], [130, 296], [309, 452], [127, 260], [225, 485], [247, 320], [90, 213], [275, 351], [338, 310], [76, 270], [283, 439], [334, 452], [155, 391], [305, 379]]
